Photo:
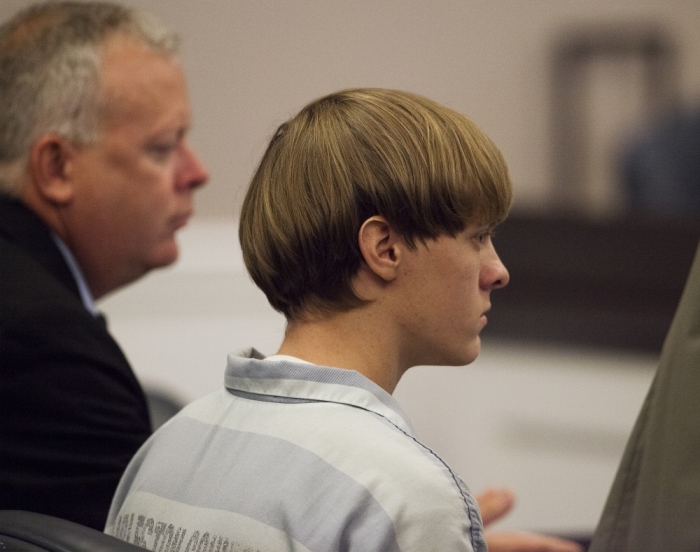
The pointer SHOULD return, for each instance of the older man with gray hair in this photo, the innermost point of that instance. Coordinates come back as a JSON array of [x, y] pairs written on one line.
[[96, 177]]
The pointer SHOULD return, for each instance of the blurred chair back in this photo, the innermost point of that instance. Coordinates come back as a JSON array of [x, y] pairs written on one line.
[[31, 532], [162, 405]]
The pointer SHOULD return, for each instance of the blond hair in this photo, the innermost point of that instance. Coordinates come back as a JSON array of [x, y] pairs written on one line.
[[344, 158]]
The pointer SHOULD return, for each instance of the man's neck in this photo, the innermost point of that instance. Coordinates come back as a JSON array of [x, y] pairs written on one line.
[[353, 340]]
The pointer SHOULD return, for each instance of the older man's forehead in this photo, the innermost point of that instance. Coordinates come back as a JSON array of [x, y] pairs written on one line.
[[134, 77]]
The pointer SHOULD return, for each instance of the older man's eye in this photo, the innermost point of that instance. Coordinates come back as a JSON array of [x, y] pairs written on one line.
[[160, 152]]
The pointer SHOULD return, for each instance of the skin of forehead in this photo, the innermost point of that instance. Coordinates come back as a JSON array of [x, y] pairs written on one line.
[[132, 74]]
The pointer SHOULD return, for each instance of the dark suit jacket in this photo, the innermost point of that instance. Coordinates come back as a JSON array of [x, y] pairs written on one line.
[[72, 413]]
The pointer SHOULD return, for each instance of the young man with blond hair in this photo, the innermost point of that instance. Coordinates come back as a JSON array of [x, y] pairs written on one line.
[[368, 225]]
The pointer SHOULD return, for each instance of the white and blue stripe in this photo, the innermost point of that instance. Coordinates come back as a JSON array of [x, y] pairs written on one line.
[[292, 456]]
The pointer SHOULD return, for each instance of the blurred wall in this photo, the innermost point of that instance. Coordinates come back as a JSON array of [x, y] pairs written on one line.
[[253, 64]]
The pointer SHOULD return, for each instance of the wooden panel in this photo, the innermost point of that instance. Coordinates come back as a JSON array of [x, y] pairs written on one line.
[[611, 283]]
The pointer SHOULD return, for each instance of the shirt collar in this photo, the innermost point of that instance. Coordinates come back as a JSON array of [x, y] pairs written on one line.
[[247, 371], [290, 358], [83, 289]]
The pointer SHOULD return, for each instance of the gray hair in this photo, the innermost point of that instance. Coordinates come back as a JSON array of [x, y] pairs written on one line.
[[49, 74]]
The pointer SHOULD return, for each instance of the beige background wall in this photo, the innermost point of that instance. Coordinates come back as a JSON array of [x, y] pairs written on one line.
[[252, 64]]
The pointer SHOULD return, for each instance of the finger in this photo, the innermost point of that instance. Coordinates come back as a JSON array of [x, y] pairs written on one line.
[[494, 504]]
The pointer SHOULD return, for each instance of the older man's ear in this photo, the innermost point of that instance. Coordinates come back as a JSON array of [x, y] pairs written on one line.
[[50, 169]]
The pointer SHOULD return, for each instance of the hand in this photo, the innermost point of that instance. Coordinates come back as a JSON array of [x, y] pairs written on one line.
[[496, 503]]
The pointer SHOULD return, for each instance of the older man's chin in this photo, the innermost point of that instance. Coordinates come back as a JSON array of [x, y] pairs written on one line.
[[167, 253]]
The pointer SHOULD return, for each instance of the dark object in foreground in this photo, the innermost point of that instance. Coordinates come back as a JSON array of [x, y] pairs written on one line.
[[31, 532], [654, 502]]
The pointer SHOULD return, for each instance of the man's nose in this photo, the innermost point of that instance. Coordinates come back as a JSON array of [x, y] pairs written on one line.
[[193, 173], [494, 275]]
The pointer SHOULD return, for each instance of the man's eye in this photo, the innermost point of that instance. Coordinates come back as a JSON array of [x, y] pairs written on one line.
[[160, 152], [485, 237]]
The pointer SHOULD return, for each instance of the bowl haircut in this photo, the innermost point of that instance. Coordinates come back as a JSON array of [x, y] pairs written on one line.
[[428, 170]]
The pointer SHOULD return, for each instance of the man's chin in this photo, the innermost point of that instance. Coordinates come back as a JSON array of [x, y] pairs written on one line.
[[166, 255], [472, 352], [462, 357]]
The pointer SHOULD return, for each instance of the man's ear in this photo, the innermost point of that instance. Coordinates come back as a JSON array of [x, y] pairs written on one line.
[[50, 168], [381, 247]]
